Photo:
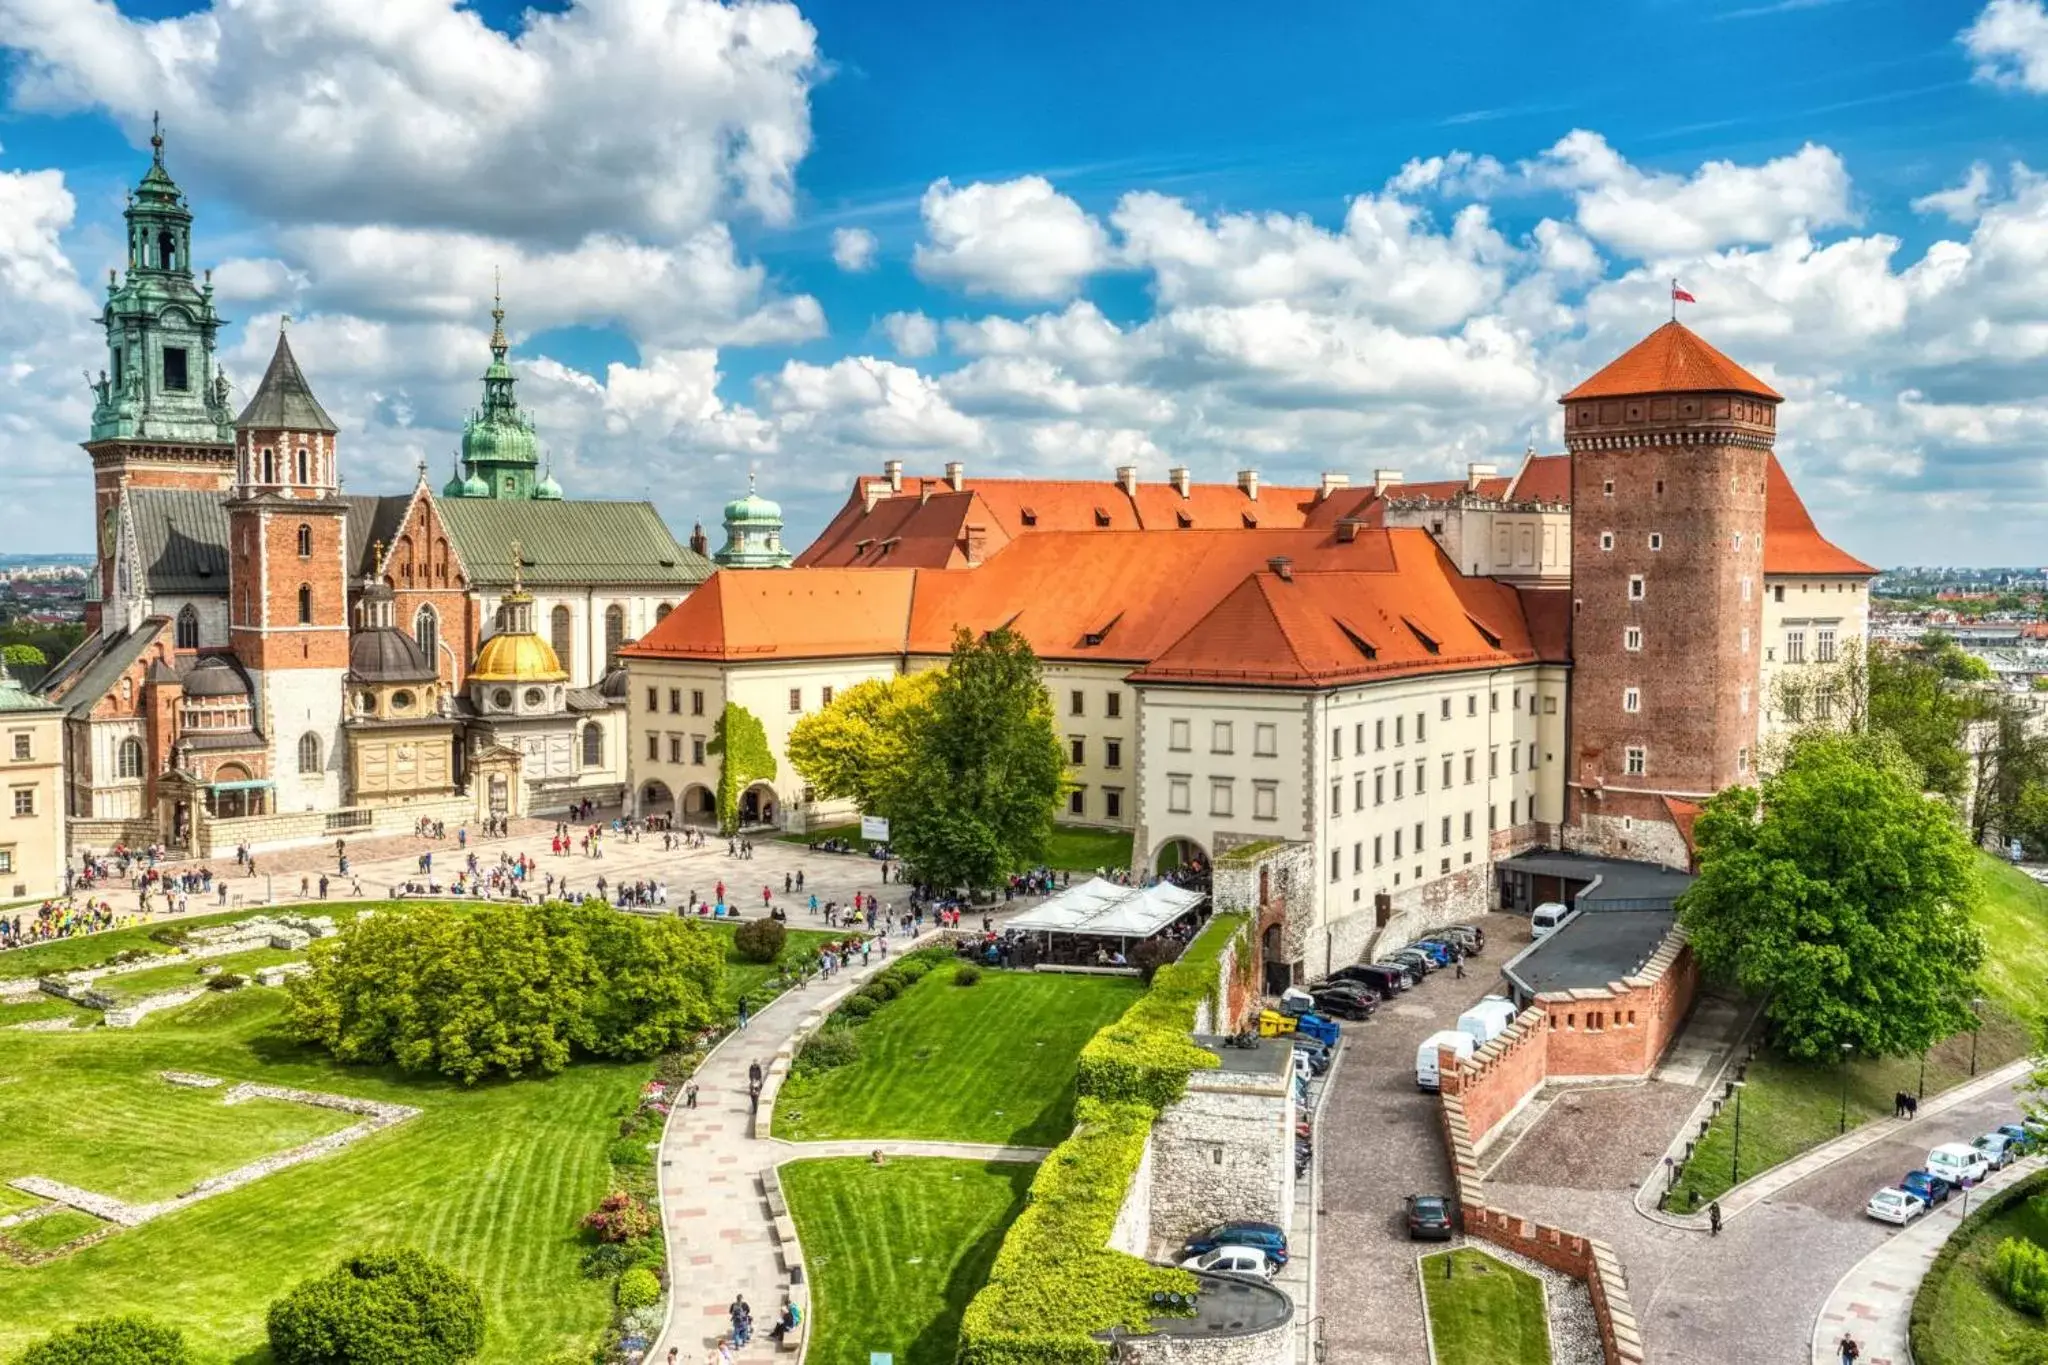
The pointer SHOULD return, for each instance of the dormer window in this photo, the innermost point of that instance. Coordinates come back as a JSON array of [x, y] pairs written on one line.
[[1028, 516], [1101, 516]]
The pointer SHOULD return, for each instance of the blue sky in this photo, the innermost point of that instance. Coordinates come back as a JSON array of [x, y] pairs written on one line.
[[1059, 237]]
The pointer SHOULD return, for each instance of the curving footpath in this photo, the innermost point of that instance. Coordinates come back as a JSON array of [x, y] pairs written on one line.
[[1874, 1301]]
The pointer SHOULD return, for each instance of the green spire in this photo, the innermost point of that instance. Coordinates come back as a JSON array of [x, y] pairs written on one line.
[[161, 382], [498, 443], [753, 533]]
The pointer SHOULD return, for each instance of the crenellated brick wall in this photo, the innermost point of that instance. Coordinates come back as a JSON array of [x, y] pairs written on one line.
[[1623, 1028], [1499, 1078]]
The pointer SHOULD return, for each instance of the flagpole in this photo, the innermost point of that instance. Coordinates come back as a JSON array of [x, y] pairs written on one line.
[[1674, 298]]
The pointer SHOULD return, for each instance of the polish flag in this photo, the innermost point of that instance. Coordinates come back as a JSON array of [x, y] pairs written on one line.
[[1679, 295]]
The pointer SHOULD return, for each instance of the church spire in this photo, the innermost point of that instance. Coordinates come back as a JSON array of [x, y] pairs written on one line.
[[498, 442]]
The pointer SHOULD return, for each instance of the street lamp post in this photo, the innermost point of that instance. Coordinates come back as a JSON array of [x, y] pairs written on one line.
[[1843, 1126], [1735, 1165]]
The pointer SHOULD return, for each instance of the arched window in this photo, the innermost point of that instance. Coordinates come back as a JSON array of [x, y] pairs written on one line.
[[661, 612], [593, 745], [305, 604], [305, 541], [301, 469], [561, 636], [614, 634], [188, 627], [166, 251], [269, 465], [426, 632], [309, 753], [128, 759]]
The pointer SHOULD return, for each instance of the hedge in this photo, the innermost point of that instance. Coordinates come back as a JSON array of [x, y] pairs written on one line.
[[1056, 1283], [1920, 1328]]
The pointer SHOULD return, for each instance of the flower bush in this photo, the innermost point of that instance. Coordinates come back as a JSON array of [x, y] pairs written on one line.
[[620, 1217]]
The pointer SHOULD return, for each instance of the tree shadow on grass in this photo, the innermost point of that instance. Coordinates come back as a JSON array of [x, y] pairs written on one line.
[[939, 1342]]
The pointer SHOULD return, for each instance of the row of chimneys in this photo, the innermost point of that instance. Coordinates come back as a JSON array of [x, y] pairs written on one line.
[[1178, 477]]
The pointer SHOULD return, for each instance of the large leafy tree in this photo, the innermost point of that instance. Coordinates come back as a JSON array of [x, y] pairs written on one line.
[[1843, 893], [1913, 699], [507, 989], [856, 748], [974, 798]]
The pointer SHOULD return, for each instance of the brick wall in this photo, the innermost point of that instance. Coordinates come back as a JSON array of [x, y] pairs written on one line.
[[1499, 1078], [1622, 1029]]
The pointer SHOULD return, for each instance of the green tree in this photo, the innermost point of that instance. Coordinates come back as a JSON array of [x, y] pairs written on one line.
[[1843, 894], [857, 748], [380, 1308], [23, 656], [1911, 699], [2010, 763], [111, 1341], [975, 798], [740, 743]]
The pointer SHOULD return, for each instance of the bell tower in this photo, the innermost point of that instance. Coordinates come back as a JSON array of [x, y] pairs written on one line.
[[1670, 447], [287, 580], [160, 415]]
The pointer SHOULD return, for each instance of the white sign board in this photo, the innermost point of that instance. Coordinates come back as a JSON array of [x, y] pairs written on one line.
[[874, 828]]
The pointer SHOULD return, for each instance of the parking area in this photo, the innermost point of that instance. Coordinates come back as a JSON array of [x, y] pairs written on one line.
[[1380, 1141]]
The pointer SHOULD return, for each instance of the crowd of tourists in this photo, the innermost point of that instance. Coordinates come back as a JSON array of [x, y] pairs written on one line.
[[59, 919]]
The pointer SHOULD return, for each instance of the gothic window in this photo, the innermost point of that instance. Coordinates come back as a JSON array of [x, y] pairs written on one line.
[[305, 541], [593, 746], [300, 468], [559, 635], [177, 378], [167, 254], [269, 465], [305, 604], [614, 634], [188, 627], [309, 753], [426, 631], [128, 760]]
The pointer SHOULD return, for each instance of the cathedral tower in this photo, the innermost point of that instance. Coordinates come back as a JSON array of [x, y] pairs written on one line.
[[1670, 446], [287, 580], [160, 416], [500, 452]]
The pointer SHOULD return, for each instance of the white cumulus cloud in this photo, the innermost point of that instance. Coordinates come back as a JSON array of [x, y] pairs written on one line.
[[1020, 239], [853, 249], [2009, 44]]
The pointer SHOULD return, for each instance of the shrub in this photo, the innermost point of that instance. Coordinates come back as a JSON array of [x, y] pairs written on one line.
[[912, 970], [173, 935], [638, 1288], [630, 1153], [620, 1217], [760, 940], [1148, 1054], [111, 1341], [2019, 1268], [833, 1045], [226, 981], [860, 1007], [966, 974], [883, 989], [380, 1308]]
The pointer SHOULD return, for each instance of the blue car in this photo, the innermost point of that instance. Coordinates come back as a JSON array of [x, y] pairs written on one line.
[[2024, 1139], [1266, 1237], [1929, 1188], [1438, 953]]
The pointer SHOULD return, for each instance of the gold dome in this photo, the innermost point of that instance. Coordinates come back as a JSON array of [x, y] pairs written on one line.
[[509, 657]]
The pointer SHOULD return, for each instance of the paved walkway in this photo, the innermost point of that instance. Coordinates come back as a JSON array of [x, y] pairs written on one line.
[[1874, 1301], [1788, 1173]]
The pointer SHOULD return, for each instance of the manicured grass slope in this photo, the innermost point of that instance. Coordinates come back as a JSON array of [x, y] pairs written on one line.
[[1074, 848], [1789, 1107], [53, 1230], [895, 1252], [1486, 1312], [1969, 1322], [991, 1062]]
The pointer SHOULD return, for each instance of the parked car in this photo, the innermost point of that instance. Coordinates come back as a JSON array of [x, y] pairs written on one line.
[[1956, 1162], [2025, 1140], [1266, 1237], [1347, 1002], [1427, 1061], [1488, 1019], [1929, 1188], [1388, 981], [1473, 934], [1546, 917], [1439, 953], [1894, 1205], [1999, 1149], [1429, 1218], [1418, 963], [1318, 1058], [1249, 1262], [1455, 948], [1410, 971]]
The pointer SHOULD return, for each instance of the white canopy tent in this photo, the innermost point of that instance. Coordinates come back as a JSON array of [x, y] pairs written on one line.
[[1106, 910]]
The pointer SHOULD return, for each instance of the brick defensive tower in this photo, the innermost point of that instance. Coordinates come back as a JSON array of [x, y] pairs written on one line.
[[1669, 446]]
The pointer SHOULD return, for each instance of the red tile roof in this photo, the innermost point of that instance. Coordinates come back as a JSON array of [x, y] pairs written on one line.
[[740, 615], [1543, 478], [1549, 614], [1792, 543], [1672, 359]]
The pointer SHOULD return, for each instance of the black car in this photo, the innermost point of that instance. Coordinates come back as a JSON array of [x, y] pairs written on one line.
[[1383, 981], [1430, 1218], [1346, 1002], [1267, 1237]]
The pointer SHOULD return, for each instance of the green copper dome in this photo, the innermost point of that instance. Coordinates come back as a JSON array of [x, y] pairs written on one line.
[[498, 442], [465, 484], [753, 510], [547, 490], [753, 533]]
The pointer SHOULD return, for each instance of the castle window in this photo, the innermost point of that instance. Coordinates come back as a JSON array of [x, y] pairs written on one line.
[[301, 468], [309, 753], [188, 627], [614, 634], [1635, 587], [559, 636], [536, 698], [1778, 591], [661, 612], [305, 604], [1656, 540], [1638, 761], [1742, 759], [401, 700], [1824, 644], [167, 253], [593, 745], [1607, 540], [305, 541], [1795, 646], [128, 759], [269, 465], [1607, 489], [1631, 699], [177, 377], [1632, 638], [426, 633]]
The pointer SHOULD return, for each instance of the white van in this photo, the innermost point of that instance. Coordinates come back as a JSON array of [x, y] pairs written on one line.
[[1461, 1046], [1547, 917], [1488, 1019]]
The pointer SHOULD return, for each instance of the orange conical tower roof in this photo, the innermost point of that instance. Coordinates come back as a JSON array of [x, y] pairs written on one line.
[[1672, 359]]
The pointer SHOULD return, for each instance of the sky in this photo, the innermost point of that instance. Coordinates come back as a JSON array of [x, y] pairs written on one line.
[[1054, 239]]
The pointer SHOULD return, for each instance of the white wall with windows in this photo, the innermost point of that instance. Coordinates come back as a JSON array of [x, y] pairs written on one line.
[[1809, 626]]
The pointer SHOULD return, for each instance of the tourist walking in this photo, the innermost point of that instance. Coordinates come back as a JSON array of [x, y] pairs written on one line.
[[1714, 1219]]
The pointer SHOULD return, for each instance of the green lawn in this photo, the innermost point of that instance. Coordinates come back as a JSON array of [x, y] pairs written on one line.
[[1966, 1320], [1789, 1107], [742, 976], [492, 1178], [992, 1062], [1486, 1312], [895, 1252], [1072, 848], [185, 972], [45, 1007], [53, 1230]]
